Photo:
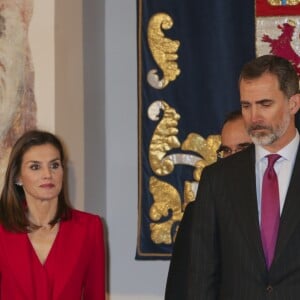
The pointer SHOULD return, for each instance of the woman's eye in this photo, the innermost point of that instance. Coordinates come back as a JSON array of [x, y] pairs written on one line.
[[55, 165], [34, 166]]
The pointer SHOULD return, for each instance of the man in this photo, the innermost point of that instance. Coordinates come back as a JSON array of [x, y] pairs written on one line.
[[227, 256], [234, 136]]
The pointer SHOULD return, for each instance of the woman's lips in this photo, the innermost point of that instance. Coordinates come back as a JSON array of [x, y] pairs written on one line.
[[47, 185]]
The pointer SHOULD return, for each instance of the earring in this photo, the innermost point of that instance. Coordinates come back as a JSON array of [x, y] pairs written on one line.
[[18, 183]]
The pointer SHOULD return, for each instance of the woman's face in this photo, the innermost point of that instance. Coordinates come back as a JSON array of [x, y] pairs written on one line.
[[41, 173]]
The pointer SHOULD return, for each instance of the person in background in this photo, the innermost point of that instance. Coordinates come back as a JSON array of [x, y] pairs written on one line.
[[234, 136], [49, 250], [244, 232]]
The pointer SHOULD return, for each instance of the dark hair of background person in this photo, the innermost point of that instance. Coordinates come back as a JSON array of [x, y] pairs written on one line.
[[232, 116], [226, 150], [12, 201]]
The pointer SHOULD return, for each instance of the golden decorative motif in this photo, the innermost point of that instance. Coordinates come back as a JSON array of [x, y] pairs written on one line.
[[164, 51], [189, 193], [167, 209], [280, 2], [206, 148], [164, 137], [292, 22], [166, 201]]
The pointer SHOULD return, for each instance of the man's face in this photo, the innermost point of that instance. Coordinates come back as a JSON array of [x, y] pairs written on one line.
[[268, 114], [234, 137]]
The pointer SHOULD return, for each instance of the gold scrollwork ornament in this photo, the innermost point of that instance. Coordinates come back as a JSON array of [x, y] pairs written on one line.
[[166, 200], [280, 2], [164, 137], [164, 51], [206, 148]]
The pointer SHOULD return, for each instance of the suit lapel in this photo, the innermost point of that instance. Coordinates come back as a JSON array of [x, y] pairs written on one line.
[[290, 216], [245, 202], [245, 207], [67, 253]]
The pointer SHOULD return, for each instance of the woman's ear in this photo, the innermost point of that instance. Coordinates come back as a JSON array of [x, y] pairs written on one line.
[[18, 182]]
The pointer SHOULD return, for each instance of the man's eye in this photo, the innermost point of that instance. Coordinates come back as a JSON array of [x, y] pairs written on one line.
[[243, 146], [245, 105], [266, 103], [227, 150]]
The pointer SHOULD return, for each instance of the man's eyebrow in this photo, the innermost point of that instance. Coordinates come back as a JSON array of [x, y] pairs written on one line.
[[256, 102], [245, 102], [263, 101], [244, 144]]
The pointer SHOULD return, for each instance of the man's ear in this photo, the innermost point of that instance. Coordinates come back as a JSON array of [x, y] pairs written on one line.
[[294, 103]]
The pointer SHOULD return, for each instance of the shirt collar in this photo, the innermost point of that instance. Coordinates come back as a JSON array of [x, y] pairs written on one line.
[[288, 152]]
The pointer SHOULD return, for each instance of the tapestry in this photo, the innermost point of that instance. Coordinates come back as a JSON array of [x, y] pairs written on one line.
[[190, 54], [278, 31]]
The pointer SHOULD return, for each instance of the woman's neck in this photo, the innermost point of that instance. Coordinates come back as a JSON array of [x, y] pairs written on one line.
[[41, 213]]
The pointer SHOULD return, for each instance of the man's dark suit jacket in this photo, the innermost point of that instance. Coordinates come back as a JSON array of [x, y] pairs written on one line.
[[218, 252]]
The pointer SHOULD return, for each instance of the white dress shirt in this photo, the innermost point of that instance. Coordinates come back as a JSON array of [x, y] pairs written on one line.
[[283, 168]]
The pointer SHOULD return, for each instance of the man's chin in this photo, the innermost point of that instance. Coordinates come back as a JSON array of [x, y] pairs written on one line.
[[263, 140]]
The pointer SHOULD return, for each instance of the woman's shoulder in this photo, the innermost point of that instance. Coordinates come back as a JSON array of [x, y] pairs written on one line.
[[86, 217], [2, 229], [83, 227]]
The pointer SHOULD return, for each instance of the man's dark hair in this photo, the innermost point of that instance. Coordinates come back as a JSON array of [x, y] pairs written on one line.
[[232, 116], [278, 66]]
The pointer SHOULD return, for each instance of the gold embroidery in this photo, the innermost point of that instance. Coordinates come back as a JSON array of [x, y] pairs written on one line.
[[189, 193], [279, 2], [207, 148], [208, 151], [166, 200], [163, 51], [164, 137], [167, 209]]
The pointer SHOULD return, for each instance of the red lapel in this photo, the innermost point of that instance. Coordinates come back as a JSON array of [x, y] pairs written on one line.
[[67, 255]]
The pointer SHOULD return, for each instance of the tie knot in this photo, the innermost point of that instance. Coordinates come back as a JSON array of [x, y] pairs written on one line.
[[272, 158]]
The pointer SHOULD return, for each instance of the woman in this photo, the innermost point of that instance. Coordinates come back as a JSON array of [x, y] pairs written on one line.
[[48, 251]]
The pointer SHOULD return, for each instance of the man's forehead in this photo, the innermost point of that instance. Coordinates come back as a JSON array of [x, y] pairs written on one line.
[[234, 132]]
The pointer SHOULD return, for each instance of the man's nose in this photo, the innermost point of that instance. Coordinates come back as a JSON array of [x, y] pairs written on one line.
[[254, 114]]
